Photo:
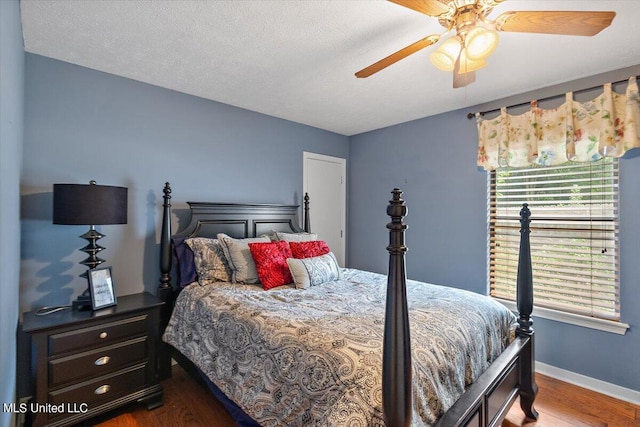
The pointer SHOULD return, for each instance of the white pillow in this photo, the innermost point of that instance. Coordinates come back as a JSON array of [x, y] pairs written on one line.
[[307, 272], [296, 237], [243, 268]]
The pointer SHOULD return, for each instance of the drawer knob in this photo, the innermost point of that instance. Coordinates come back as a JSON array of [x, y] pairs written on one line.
[[103, 335], [102, 389], [102, 360]]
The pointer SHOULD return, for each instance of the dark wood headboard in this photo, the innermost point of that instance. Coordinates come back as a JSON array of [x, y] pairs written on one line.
[[239, 220]]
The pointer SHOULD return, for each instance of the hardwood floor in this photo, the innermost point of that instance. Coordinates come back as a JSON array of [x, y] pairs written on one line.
[[565, 405], [188, 403]]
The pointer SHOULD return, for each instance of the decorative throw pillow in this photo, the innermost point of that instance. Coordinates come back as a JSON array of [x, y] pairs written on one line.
[[309, 249], [209, 260], [314, 271], [296, 237], [243, 269], [271, 263]]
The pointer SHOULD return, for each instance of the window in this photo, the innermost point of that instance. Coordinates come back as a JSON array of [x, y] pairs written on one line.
[[574, 235]]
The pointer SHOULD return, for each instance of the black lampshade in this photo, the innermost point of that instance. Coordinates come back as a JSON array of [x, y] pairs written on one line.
[[89, 204]]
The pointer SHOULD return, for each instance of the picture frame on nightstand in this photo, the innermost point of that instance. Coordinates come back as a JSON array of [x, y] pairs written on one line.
[[101, 287]]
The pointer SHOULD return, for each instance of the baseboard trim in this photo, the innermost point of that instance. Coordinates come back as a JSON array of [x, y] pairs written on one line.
[[599, 386]]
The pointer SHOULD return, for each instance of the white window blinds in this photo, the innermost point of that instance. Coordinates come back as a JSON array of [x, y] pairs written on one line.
[[574, 235]]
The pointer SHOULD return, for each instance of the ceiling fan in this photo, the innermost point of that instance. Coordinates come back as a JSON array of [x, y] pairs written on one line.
[[476, 36]]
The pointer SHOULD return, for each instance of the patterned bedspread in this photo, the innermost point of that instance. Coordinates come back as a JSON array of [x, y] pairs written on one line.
[[291, 357]]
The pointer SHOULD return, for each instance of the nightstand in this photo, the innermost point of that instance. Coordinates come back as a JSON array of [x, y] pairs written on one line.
[[84, 363]]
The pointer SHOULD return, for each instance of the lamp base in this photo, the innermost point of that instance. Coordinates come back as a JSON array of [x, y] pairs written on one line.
[[92, 248], [83, 302]]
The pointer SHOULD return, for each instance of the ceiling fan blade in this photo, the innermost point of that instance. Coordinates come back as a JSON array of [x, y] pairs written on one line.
[[555, 22], [397, 56], [428, 7], [462, 79]]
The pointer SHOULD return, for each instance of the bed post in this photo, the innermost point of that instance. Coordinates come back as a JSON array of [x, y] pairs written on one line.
[[307, 221], [165, 290], [529, 388], [396, 364]]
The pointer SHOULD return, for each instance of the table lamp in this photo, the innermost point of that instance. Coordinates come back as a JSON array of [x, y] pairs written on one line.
[[92, 204]]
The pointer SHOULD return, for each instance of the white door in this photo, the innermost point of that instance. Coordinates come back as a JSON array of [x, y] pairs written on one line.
[[324, 178]]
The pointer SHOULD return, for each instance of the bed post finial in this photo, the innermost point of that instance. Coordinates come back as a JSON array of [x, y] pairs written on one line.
[[396, 364], [307, 220]]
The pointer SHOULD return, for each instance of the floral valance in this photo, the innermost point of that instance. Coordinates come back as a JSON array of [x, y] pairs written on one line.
[[606, 126]]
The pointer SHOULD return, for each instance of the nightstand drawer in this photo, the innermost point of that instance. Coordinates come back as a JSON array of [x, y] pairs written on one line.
[[97, 362], [104, 388], [104, 334]]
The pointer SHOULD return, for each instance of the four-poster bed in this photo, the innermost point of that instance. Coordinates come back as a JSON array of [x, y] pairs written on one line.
[[387, 393]]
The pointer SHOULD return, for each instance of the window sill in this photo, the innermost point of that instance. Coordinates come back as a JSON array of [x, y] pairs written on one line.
[[573, 319]]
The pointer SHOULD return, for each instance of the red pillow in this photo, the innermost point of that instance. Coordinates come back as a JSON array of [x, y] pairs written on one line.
[[271, 263], [309, 249]]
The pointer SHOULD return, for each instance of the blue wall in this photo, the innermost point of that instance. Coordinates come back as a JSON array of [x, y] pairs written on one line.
[[434, 161], [11, 128], [81, 124]]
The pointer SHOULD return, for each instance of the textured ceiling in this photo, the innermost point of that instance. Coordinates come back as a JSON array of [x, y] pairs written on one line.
[[296, 59]]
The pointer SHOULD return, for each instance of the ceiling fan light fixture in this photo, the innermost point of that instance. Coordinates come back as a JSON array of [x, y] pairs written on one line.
[[480, 42], [444, 58], [468, 65], [476, 35]]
